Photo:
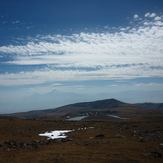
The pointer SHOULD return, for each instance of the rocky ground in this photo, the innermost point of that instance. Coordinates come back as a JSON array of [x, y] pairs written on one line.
[[102, 141]]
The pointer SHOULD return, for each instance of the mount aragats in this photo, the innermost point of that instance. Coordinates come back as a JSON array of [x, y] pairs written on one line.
[[96, 110]]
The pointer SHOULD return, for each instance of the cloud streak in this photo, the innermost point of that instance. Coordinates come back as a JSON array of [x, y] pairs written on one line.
[[125, 53]]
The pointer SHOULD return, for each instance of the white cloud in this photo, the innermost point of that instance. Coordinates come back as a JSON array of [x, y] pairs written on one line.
[[147, 14], [128, 53], [16, 22], [39, 77], [153, 15], [150, 86], [157, 18], [136, 16], [150, 15]]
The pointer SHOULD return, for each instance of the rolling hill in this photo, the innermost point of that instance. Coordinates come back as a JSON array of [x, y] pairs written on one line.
[[95, 109]]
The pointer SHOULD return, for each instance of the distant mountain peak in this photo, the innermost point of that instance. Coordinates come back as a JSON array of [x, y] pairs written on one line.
[[98, 107], [112, 100]]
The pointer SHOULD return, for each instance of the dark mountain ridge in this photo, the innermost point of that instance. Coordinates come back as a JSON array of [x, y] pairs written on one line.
[[94, 108]]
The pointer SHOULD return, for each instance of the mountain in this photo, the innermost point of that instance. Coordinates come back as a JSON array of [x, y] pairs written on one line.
[[95, 109], [158, 106]]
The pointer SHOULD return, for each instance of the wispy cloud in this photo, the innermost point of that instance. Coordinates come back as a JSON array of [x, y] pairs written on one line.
[[126, 53], [136, 16]]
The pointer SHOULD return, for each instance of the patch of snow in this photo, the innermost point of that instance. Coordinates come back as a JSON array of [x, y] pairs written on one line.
[[115, 116], [78, 118], [91, 127], [60, 134], [85, 128], [57, 134]]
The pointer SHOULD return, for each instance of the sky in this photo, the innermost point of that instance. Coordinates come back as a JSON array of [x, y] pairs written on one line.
[[57, 52]]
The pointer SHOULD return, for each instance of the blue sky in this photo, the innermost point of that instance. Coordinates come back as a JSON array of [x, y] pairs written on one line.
[[56, 52]]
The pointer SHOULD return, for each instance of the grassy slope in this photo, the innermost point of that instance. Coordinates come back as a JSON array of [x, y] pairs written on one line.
[[121, 141]]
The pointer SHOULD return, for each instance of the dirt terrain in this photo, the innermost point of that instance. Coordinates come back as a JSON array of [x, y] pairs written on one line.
[[104, 140]]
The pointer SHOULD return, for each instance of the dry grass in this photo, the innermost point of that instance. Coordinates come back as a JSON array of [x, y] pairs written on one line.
[[120, 142]]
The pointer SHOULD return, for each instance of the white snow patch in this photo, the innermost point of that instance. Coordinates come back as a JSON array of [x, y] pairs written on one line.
[[60, 134], [85, 128], [78, 118], [82, 128], [115, 116], [57, 134], [91, 127]]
